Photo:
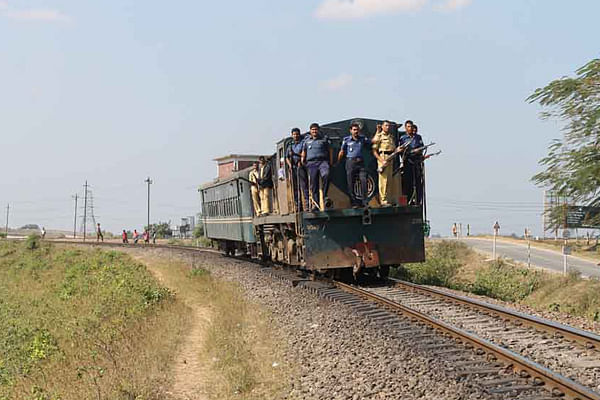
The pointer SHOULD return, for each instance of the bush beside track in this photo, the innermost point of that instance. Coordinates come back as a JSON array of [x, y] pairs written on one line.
[[78, 323], [454, 265]]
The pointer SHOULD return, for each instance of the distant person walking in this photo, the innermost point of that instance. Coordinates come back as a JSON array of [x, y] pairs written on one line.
[[124, 236], [154, 237], [99, 235], [43, 233], [146, 236], [454, 230], [136, 236]]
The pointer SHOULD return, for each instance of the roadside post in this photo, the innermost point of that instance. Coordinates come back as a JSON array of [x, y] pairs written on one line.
[[566, 251], [528, 237], [496, 229]]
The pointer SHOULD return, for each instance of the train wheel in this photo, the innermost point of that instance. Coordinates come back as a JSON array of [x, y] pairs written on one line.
[[344, 275], [384, 271]]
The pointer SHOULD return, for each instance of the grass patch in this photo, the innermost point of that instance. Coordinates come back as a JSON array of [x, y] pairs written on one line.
[[194, 242], [508, 283], [443, 261], [453, 265], [82, 324], [240, 349]]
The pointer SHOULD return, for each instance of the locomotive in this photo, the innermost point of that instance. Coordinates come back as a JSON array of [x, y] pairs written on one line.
[[335, 241]]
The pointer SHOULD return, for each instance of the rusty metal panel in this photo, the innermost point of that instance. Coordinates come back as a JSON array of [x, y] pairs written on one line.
[[334, 239]]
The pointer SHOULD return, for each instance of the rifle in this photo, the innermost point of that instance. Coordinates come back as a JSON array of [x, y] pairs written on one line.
[[414, 151], [397, 151], [437, 153]]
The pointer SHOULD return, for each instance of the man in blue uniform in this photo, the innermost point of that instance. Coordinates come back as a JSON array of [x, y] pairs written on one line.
[[293, 159], [352, 147], [317, 156], [411, 171]]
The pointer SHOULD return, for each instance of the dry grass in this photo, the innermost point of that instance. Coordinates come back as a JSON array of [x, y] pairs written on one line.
[[242, 354], [83, 324]]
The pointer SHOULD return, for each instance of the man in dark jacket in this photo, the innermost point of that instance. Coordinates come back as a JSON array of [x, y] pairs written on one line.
[[265, 185], [317, 155]]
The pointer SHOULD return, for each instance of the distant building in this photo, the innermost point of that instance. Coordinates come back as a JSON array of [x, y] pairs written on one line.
[[227, 165]]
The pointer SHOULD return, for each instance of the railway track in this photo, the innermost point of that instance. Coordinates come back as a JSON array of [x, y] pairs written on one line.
[[505, 352]]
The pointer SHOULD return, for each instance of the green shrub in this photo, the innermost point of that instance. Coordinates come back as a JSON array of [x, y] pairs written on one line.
[[33, 241], [2, 235], [505, 282], [194, 272], [443, 260]]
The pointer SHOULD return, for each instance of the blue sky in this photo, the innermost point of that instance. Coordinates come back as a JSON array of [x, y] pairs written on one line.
[[116, 91]]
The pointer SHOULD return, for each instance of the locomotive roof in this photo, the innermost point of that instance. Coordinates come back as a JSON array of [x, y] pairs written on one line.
[[341, 128]]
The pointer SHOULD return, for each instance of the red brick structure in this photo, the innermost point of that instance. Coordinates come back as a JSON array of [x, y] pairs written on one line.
[[227, 165]]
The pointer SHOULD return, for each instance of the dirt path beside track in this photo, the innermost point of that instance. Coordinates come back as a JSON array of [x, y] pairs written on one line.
[[190, 370]]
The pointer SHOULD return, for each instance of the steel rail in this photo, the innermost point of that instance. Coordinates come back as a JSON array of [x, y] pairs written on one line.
[[553, 382], [587, 339]]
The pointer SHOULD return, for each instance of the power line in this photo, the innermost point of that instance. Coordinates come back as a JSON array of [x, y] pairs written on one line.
[[149, 182], [88, 209]]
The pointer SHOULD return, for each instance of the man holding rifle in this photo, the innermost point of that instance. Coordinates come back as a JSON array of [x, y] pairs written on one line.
[[384, 146], [412, 167]]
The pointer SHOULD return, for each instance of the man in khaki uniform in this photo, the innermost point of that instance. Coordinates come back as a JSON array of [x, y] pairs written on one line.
[[384, 144], [253, 178], [265, 184]]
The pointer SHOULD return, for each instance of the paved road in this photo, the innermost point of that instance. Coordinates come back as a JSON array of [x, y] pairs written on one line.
[[542, 258]]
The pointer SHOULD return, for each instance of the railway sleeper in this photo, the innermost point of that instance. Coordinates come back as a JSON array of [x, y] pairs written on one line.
[[501, 381], [511, 389], [482, 371]]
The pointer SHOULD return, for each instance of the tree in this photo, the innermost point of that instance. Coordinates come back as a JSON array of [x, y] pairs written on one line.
[[572, 166], [199, 230], [162, 229]]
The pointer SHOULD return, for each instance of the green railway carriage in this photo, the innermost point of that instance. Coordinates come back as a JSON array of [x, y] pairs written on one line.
[[227, 211], [335, 240]]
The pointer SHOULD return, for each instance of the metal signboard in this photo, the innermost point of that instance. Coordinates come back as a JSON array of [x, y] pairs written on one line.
[[583, 217]]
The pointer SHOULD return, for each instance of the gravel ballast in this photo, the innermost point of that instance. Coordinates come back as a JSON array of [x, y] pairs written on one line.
[[336, 353]]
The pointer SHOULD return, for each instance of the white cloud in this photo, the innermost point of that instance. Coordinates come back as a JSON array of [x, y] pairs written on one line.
[[37, 15], [339, 82], [31, 14], [451, 5], [353, 9]]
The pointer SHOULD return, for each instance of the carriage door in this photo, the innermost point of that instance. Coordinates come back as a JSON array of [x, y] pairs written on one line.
[[283, 184]]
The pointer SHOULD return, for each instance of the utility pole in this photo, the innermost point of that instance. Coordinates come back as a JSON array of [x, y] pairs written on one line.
[[85, 196], [496, 229], [528, 237], [149, 182], [7, 212], [75, 219], [566, 249]]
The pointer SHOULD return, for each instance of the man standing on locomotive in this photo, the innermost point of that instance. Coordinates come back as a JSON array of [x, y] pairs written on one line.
[[411, 169], [352, 147], [317, 155], [384, 145], [265, 184], [293, 159], [254, 190]]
